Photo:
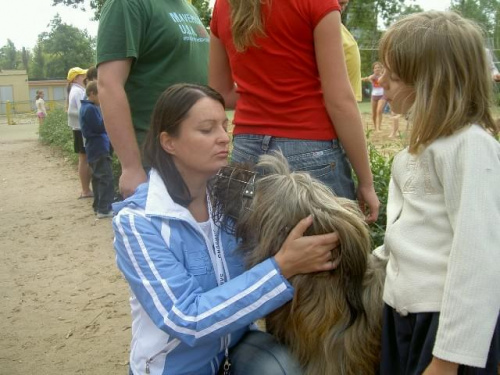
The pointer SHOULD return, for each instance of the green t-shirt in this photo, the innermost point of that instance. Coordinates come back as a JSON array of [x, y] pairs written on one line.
[[168, 44]]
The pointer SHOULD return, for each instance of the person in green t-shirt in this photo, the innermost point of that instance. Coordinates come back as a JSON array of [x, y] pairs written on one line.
[[142, 48]]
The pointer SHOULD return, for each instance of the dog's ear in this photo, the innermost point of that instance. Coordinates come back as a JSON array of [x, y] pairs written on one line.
[[355, 248]]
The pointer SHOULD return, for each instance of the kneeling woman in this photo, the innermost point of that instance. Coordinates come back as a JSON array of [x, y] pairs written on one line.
[[190, 297]]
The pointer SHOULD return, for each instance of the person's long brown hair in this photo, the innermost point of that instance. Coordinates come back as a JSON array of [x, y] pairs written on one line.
[[170, 111], [246, 22], [443, 56]]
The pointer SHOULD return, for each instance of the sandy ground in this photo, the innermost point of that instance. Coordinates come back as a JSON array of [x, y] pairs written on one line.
[[64, 306]]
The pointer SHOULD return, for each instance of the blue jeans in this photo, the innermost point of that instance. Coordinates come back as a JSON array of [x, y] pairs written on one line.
[[259, 353], [324, 160], [102, 184]]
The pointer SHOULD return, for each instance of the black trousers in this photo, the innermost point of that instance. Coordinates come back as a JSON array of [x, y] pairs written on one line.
[[407, 343], [102, 184]]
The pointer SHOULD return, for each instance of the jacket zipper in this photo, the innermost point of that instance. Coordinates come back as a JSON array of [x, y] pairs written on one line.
[[151, 359]]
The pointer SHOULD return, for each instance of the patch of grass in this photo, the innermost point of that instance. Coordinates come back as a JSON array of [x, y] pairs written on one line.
[[56, 133], [381, 163], [365, 106]]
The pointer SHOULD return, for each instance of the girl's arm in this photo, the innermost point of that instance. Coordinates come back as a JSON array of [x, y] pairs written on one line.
[[219, 72], [469, 172], [163, 282], [441, 367], [342, 108], [74, 105]]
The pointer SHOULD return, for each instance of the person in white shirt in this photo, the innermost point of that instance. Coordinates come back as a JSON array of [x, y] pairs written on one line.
[[41, 112], [442, 239], [76, 77]]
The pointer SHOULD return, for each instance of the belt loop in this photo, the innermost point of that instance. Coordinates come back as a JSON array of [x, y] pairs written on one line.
[[265, 143], [335, 143]]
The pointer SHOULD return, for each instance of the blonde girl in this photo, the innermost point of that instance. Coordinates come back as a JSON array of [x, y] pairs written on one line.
[[442, 240], [377, 96], [41, 112]]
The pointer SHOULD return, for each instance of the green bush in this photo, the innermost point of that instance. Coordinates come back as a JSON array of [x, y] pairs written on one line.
[[381, 169], [56, 133]]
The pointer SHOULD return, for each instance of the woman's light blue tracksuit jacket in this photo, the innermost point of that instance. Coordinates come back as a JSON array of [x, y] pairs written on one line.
[[181, 318]]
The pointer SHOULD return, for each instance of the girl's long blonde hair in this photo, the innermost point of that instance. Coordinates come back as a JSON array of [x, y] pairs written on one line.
[[443, 56], [246, 22]]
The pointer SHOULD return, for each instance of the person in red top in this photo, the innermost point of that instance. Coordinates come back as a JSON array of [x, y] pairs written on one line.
[[280, 64]]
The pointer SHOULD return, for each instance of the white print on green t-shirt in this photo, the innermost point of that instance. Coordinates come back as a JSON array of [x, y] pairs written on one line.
[[193, 34]]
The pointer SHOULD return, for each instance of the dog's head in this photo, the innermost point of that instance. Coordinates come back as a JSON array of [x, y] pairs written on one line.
[[263, 205]]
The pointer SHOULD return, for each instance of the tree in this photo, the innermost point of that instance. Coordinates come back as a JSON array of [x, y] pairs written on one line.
[[202, 6], [486, 13], [37, 63], [204, 11], [9, 56], [25, 58], [95, 5], [62, 48], [365, 19]]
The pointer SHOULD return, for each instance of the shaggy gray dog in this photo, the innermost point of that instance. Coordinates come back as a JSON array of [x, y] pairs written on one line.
[[333, 323]]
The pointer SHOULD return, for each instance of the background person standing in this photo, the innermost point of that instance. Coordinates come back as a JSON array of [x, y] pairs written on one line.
[[41, 111], [75, 79]]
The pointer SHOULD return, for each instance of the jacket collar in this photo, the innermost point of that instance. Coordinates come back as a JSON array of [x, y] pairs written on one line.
[[159, 202]]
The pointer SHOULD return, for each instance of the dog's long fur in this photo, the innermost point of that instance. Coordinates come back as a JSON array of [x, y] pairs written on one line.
[[333, 323]]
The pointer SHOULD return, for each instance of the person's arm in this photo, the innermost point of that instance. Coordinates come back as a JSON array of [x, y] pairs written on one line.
[[91, 121], [469, 172], [220, 76], [441, 367], [118, 122], [174, 299], [44, 110], [74, 105], [316, 249], [342, 108]]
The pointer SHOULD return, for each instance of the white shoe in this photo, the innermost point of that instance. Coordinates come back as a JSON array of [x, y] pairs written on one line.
[[104, 215]]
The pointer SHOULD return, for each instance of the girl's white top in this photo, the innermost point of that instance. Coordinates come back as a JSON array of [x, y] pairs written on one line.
[[76, 94], [40, 106], [443, 241]]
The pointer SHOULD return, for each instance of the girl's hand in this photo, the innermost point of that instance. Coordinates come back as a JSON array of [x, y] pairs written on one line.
[[441, 367], [300, 254], [368, 202]]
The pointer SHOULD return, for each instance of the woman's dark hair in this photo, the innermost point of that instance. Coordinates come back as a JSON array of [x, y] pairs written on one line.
[[169, 112]]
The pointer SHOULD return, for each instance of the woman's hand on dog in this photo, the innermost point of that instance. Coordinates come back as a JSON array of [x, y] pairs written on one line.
[[306, 254]]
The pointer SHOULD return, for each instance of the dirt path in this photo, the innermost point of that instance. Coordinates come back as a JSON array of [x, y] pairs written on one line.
[[64, 306]]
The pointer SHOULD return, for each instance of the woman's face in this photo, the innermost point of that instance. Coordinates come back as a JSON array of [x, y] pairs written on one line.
[[399, 95], [202, 145]]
